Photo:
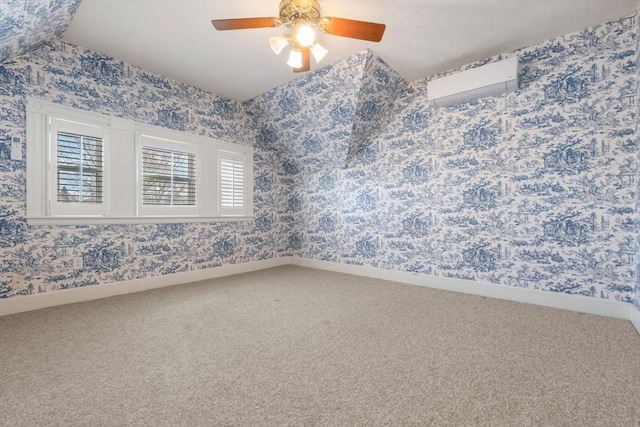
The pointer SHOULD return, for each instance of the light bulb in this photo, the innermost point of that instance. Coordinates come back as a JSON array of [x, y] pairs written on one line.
[[295, 59], [305, 35], [318, 52], [278, 43]]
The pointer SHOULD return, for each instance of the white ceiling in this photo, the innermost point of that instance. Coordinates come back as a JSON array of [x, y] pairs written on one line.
[[175, 38]]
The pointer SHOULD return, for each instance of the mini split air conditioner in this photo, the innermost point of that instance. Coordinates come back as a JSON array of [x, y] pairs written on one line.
[[491, 79]]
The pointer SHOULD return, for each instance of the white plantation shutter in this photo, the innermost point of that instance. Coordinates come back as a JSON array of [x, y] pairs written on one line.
[[232, 183]]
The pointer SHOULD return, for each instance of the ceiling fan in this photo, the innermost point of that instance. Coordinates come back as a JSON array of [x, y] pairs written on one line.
[[301, 17]]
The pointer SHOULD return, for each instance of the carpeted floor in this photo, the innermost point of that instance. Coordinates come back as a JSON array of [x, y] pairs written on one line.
[[295, 346]]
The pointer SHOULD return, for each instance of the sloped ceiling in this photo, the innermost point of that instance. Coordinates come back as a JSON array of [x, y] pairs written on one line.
[[26, 24], [175, 38]]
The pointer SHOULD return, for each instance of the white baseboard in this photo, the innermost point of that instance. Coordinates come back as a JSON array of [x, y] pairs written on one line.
[[634, 316], [20, 304], [578, 303]]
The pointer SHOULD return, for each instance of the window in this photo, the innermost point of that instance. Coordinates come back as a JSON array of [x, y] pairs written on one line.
[[232, 183], [88, 168], [168, 171], [79, 159], [76, 161], [168, 177]]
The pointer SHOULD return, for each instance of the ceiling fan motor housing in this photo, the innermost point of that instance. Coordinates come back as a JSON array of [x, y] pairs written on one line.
[[294, 10]]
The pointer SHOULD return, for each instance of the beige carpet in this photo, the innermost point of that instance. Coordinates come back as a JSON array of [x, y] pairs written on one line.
[[295, 346]]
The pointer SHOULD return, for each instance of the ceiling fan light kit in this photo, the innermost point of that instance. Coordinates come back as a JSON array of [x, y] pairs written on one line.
[[301, 17], [295, 59], [278, 43], [305, 34], [318, 52]]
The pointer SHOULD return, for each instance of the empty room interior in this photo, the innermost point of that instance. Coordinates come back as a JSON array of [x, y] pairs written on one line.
[[307, 212]]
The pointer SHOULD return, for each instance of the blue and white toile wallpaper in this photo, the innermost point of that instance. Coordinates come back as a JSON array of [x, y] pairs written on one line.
[[324, 119], [26, 24], [378, 91], [539, 194], [76, 77], [310, 121]]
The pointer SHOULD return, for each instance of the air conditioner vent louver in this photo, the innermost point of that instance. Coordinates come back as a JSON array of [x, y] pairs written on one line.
[[492, 79]]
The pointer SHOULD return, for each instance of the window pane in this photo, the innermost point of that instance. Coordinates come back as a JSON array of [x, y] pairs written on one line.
[[168, 177], [68, 186], [80, 168]]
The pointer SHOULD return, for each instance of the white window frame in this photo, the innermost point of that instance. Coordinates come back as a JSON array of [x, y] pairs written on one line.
[[185, 145], [122, 175]]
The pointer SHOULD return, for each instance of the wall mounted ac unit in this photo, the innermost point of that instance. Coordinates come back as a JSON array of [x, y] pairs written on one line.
[[491, 79]]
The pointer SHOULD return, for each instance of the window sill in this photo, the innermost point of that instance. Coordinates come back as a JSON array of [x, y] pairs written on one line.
[[100, 220]]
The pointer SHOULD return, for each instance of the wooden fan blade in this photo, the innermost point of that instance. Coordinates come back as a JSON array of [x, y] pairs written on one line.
[[244, 23], [306, 62], [353, 29]]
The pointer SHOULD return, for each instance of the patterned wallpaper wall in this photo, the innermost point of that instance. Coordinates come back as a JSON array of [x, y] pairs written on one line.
[[539, 194], [25, 24], [311, 119], [636, 295], [75, 77], [379, 88], [324, 119]]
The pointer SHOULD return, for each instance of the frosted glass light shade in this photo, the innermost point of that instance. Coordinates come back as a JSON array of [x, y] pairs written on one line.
[[305, 35], [278, 43], [318, 52], [295, 59]]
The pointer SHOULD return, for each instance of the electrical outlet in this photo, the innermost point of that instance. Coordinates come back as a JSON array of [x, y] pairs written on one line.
[[17, 282], [77, 263]]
